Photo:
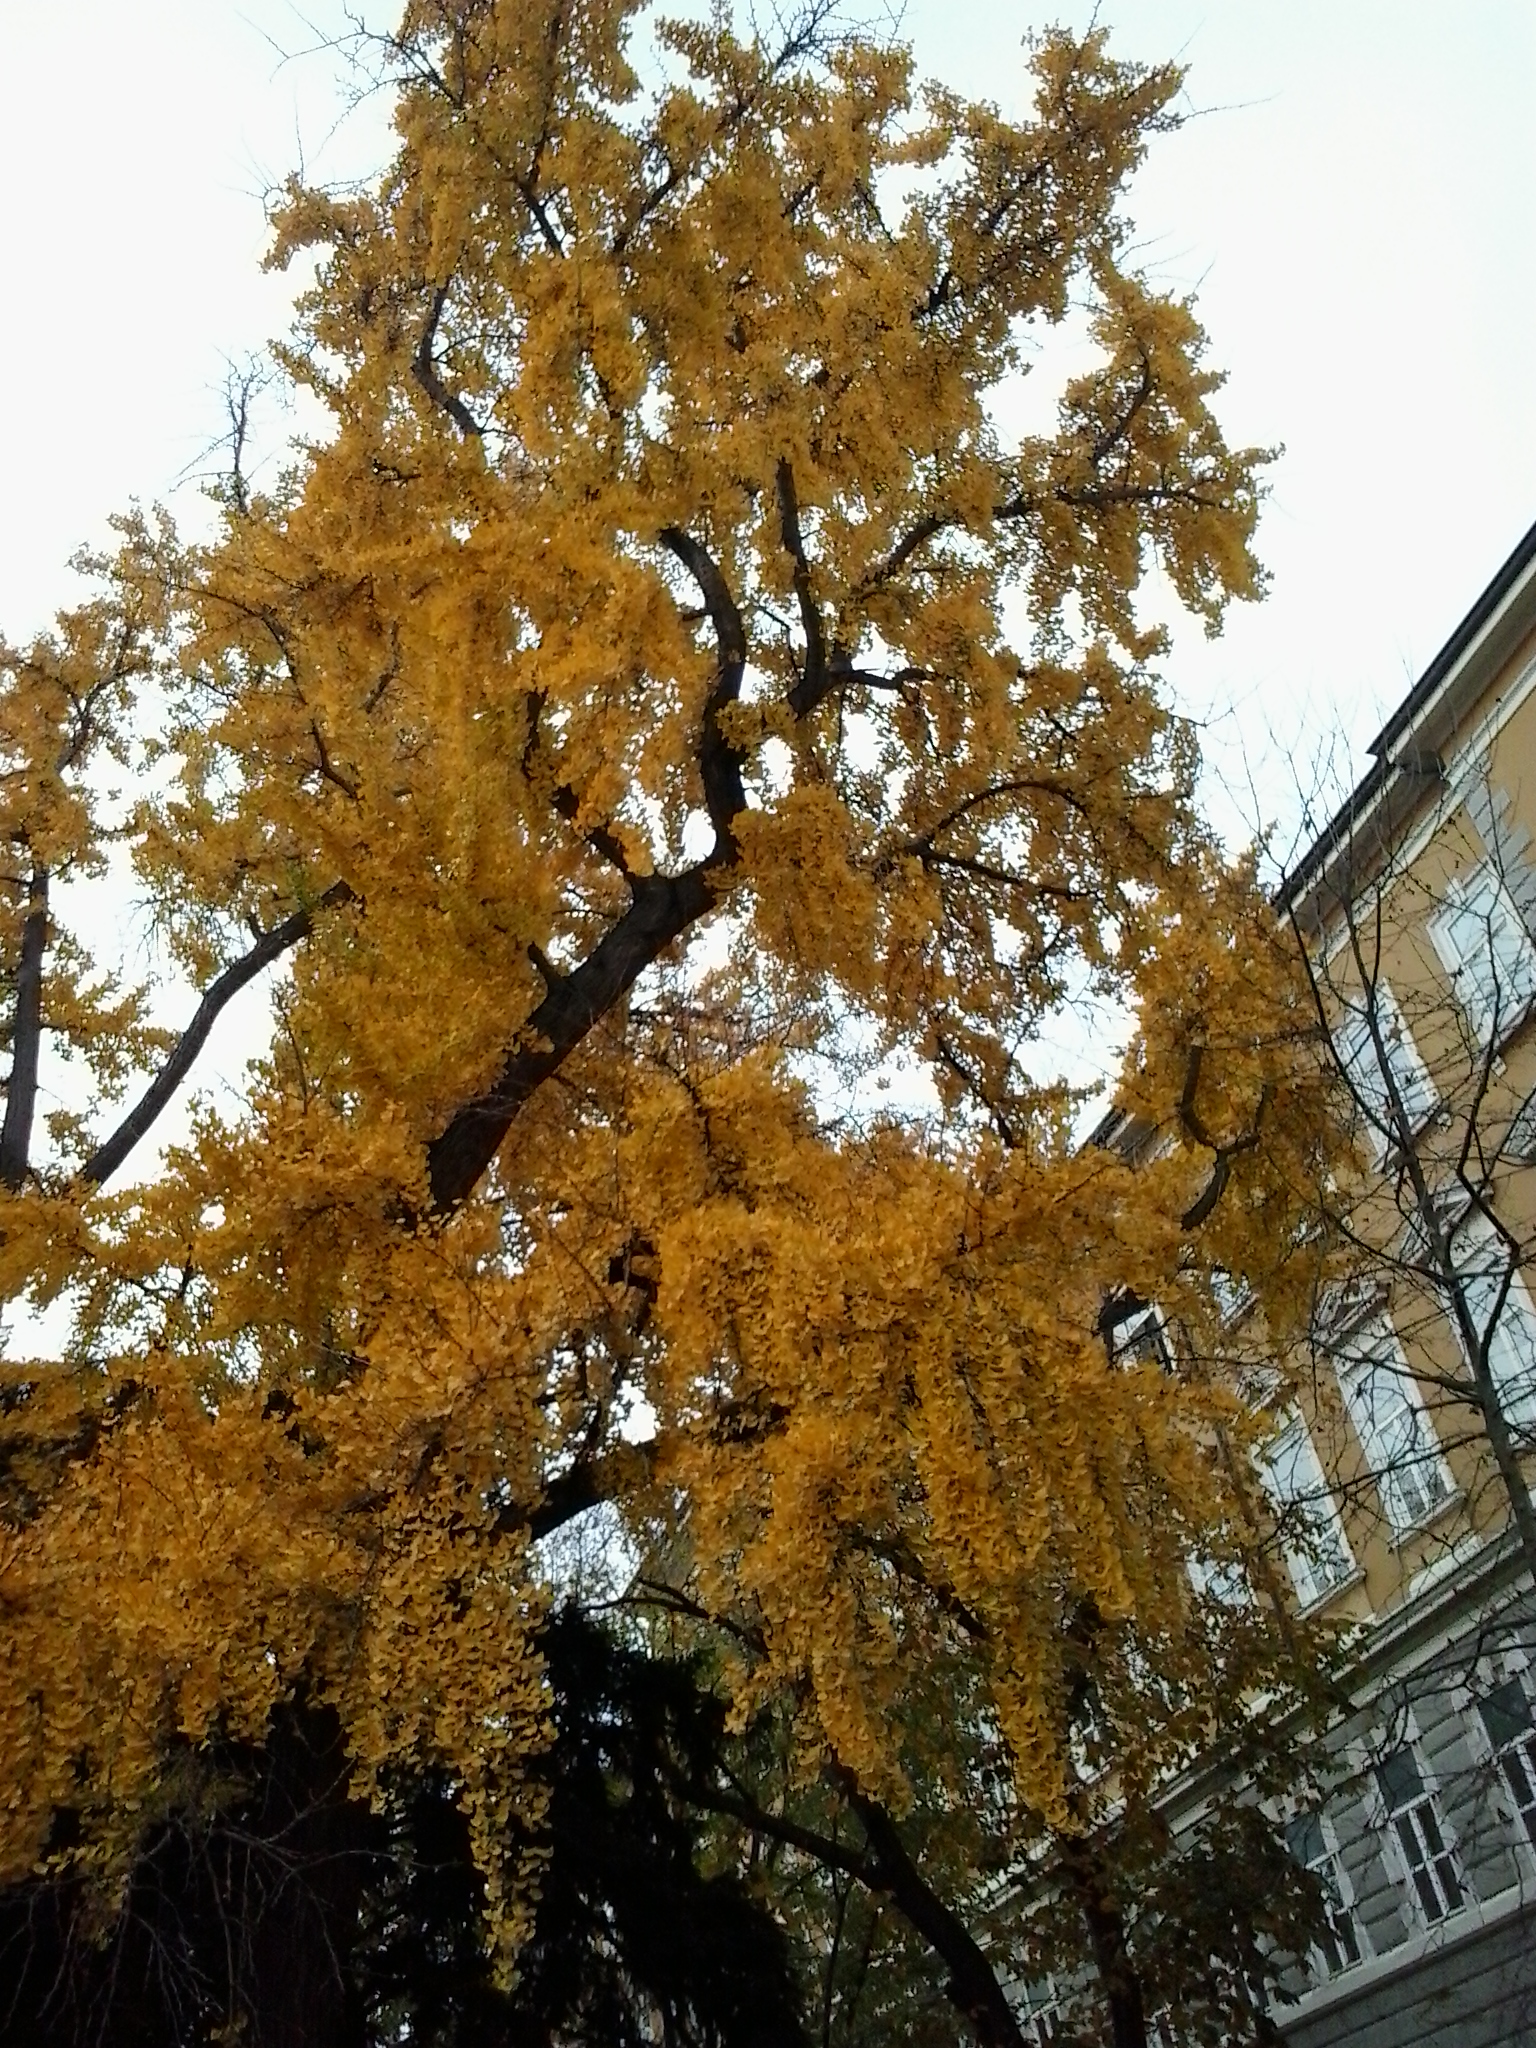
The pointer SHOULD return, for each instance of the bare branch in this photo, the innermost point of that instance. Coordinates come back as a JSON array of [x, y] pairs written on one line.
[[140, 1120]]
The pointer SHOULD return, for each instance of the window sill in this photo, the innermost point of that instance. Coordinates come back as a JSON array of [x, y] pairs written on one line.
[[1510, 1029], [1417, 1946], [1389, 1154], [1411, 1531], [1319, 1601]]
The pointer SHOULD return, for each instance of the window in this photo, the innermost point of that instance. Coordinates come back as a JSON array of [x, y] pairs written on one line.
[[1506, 1714], [1234, 1295], [1358, 1057], [1487, 952], [1520, 1138], [1504, 1316], [1315, 1549], [1041, 2014], [1342, 1942], [1137, 1335], [1388, 1415], [1220, 1579], [1416, 1829]]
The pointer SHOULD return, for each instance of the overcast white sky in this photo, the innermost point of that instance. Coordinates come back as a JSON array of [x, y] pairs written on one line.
[[1352, 200]]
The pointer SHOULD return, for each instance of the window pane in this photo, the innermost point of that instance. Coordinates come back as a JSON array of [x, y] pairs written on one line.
[[1506, 1712], [1362, 1068], [1389, 1419], [1399, 1780], [1339, 1944], [1304, 1838], [1519, 1761], [1139, 1336], [1517, 1775], [1358, 1056], [1345, 1947], [1509, 1327], [1487, 951], [1316, 1552]]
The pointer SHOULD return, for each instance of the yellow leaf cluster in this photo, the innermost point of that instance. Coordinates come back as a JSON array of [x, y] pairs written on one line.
[[612, 709]]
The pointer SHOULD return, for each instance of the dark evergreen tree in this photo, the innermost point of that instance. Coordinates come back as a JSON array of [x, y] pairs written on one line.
[[269, 1909]]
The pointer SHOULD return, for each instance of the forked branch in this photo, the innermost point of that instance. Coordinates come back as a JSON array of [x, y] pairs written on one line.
[[1194, 1123]]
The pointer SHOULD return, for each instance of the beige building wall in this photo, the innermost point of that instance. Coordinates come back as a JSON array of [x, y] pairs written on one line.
[[1429, 1839]]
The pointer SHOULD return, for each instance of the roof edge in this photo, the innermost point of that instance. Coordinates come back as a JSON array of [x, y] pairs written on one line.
[[1385, 767]]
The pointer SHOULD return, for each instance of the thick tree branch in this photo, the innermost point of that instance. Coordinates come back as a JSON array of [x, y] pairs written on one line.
[[917, 535], [886, 1868], [973, 1988], [585, 1484], [424, 370], [821, 1848], [1194, 1123], [26, 1037], [140, 1120], [602, 839], [899, 1554], [812, 686], [1091, 1887], [719, 762], [1115, 431], [661, 909]]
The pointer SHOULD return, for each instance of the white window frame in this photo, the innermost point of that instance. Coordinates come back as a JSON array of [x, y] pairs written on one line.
[[1323, 1563], [1140, 1337], [1405, 1460], [1514, 1760], [1356, 1053], [1040, 2012], [1519, 1141], [1223, 1581], [1426, 1872], [1340, 1909], [1511, 1341], [1232, 1294], [1486, 950]]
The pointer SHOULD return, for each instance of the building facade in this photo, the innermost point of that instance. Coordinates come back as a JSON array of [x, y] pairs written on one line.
[[1401, 1479]]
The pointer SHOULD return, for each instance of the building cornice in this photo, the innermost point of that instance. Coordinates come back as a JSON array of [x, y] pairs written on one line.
[[1408, 753]]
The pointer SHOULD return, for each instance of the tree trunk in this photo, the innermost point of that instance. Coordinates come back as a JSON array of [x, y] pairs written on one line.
[[26, 1037], [1111, 1954], [294, 1903], [973, 1988]]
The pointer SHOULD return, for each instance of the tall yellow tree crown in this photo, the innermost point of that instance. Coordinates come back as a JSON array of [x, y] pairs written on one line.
[[610, 712]]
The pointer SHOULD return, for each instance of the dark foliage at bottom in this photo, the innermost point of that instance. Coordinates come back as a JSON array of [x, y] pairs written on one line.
[[270, 1911]]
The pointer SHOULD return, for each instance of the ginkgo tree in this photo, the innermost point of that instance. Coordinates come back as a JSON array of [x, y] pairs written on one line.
[[609, 714]]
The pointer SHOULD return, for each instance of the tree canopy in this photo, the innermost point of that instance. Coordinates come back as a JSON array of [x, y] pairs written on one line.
[[662, 683]]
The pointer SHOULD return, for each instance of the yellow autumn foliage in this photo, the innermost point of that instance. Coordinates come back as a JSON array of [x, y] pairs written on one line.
[[610, 717]]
